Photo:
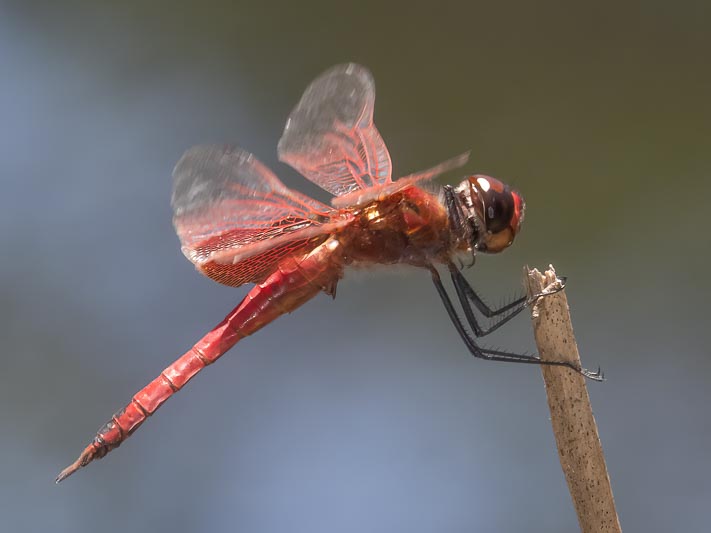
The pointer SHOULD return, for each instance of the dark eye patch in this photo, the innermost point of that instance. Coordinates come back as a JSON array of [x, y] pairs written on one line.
[[499, 210]]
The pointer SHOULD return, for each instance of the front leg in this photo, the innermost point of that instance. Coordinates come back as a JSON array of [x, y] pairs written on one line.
[[460, 281], [468, 296]]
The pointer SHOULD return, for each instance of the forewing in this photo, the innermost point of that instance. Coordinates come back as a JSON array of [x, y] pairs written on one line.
[[234, 217], [330, 136], [357, 198]]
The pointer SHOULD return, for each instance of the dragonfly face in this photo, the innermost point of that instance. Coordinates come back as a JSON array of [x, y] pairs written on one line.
[[486, 214]]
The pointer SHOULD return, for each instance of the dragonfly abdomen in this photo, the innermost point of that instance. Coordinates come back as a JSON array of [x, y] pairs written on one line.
[[294, 282]]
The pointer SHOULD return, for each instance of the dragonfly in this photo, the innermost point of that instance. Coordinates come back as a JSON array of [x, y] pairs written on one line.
[[239, 224]]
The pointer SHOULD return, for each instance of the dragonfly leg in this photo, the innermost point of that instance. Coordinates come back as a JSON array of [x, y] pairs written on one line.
[[496, 355], [467, 296], [464, 287]]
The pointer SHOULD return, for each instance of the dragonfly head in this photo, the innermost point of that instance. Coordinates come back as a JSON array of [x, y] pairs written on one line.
[[485, 214]]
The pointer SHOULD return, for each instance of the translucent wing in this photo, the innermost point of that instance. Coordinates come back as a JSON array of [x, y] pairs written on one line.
[[235, 219], [359, 197], [330, 137]]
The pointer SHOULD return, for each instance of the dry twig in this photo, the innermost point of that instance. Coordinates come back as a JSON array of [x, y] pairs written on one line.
[[576, 435]]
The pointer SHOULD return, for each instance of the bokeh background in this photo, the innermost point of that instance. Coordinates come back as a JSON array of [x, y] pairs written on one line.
[[364, 413]]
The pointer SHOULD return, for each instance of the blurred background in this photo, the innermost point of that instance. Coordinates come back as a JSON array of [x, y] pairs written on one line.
[[365, 413]]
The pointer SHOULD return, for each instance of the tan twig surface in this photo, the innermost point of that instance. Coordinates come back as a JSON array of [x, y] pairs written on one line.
[[576, 435]]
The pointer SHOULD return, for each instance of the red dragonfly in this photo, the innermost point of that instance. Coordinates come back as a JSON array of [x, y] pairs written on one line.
[[239, 224]]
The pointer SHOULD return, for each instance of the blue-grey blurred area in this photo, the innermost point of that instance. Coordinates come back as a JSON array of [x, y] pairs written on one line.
[[363, 414]]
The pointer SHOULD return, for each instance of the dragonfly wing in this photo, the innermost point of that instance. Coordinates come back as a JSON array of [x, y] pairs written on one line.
[[376, 193], [330, 136], [236, 220]]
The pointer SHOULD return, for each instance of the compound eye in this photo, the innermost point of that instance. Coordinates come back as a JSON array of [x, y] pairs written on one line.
[[501, 211], [498, 202]]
